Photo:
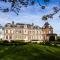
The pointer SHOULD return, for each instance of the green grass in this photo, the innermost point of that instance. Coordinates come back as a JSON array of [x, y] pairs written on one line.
[[29, 52]]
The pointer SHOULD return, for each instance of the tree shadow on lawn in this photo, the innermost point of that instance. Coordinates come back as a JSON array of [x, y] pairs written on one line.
[[29, 52]]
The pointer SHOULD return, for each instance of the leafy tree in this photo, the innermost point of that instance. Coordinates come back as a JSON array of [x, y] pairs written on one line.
[[17, 4], [55, 11], [46, 0]]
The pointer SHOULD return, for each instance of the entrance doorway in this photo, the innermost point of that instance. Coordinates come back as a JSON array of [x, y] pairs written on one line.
[[52, 38]]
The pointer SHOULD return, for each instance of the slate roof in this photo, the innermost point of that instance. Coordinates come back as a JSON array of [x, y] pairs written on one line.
[[47, 25]]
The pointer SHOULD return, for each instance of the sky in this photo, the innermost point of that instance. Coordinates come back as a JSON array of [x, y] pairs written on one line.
[[31, 14]]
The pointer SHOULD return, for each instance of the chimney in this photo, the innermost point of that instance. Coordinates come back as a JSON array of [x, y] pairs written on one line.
[[12, 22], [32, 24]]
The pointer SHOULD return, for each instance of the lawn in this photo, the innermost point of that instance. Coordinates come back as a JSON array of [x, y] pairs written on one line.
[[29, 52]]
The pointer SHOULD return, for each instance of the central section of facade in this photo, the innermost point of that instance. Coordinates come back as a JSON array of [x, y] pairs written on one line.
[[22, 32]]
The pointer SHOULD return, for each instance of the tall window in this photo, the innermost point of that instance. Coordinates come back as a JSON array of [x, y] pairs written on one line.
[[6, 31], [20, 31], [37, 32], [12, 31], [7, 37], [25, 30], [10, 37]]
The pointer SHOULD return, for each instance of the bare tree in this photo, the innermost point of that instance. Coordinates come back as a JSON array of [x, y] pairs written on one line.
[[55, 11]]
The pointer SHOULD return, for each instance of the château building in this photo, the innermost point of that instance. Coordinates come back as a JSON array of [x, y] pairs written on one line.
[[27, 32]]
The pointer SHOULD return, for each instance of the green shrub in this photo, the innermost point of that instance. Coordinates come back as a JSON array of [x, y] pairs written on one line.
[[5, 41], [42, 43], [17, 42], [48, 43], [58, 38]]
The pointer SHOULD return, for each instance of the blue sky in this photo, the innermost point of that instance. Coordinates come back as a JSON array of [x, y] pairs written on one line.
[[32, 14]]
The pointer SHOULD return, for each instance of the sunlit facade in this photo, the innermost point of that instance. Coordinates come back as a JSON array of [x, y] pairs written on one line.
[[27, 32]]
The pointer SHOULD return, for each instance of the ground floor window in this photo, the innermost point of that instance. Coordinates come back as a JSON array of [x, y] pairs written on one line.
[[7, 37], [10, 37]]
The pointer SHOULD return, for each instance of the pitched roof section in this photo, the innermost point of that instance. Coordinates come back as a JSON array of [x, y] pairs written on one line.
[[21, 25], [47, 25]]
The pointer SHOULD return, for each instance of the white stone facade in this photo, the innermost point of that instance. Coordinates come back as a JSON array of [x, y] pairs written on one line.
[[25, 32]]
